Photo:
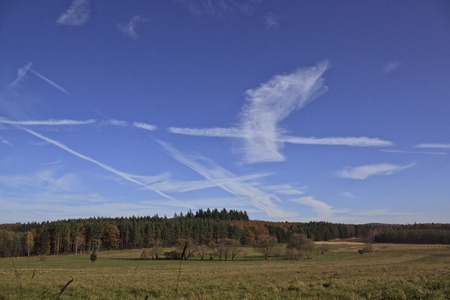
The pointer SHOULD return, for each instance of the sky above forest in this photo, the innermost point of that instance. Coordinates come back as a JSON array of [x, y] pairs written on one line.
[[290, 110]]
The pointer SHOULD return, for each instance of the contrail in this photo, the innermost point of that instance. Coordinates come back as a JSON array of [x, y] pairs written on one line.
[[49, 81], [21, 74], [126, 176]]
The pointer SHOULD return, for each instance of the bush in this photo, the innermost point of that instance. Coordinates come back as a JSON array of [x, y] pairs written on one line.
[[156, 251], [323, 249], [174, 254], [144, 254], [93, 257], [292, 253]]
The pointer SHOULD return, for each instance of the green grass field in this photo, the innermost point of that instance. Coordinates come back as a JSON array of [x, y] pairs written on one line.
[[391, 272]]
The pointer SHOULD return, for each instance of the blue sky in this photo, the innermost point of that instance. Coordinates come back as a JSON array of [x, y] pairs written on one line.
[[291, 110]]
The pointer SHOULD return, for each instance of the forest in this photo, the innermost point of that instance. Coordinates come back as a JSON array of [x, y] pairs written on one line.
[[204, 227]]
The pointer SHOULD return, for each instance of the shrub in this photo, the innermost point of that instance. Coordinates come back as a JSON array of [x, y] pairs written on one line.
[[156, 251], [323, 249], [93, 256], [292, 253], [174, 254]]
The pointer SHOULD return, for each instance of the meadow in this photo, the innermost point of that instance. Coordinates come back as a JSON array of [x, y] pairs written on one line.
[[390, 272]]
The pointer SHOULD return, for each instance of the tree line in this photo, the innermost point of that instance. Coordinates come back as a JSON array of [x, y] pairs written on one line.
[[95, 234], [415, 236], [204, 227]]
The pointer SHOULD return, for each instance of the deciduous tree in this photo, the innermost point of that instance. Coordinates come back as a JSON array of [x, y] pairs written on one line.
[[111, 237], [267, 245], [299, 246], [186, 248], [227, 247], [29, 242]]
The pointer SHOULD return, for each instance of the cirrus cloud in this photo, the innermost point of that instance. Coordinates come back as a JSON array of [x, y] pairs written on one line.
[[433, 145], [219, 7], [50, 122], [259, 135], [391, 66], [145, 126], [129, 29], [77, 14], [323, 210], [366, 171]]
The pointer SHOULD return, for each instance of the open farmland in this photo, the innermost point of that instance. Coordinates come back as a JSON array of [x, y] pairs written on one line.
[[390, 272]]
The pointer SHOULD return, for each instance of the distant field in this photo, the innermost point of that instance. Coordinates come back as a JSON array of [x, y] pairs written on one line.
[[391, 272]]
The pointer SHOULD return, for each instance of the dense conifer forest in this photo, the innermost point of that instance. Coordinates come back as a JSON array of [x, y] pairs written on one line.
[[204, 227]]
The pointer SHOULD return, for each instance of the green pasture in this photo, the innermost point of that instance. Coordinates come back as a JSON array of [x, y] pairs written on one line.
[[391, 272]]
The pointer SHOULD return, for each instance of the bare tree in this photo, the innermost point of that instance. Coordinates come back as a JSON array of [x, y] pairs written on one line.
[[156, 251], [203, 250], [236, 249], [227, 247], [188, 246]]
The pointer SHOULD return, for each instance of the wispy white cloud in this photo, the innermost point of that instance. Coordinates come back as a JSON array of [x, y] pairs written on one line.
[[349, 195], [129, 29], [284, 189], [323, 210], [174, 186], [229, 182], [272, 102], [121, 123], [220, 7], [433, 145], [145, 126], [52, 83], [45, 179], [18, 180], [271, 22], [21, 74], [67, 182], [413, 152], [391, 66], [5, 141], [52, 163], [77, 14], [211, 132], [363, 172], [265, 106], [50, 122], [338, 141], [117, 123], [129, 177], [68, 122], [261, 139]]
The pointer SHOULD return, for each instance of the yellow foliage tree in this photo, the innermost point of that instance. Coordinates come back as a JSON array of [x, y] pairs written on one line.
[[111, 237]]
